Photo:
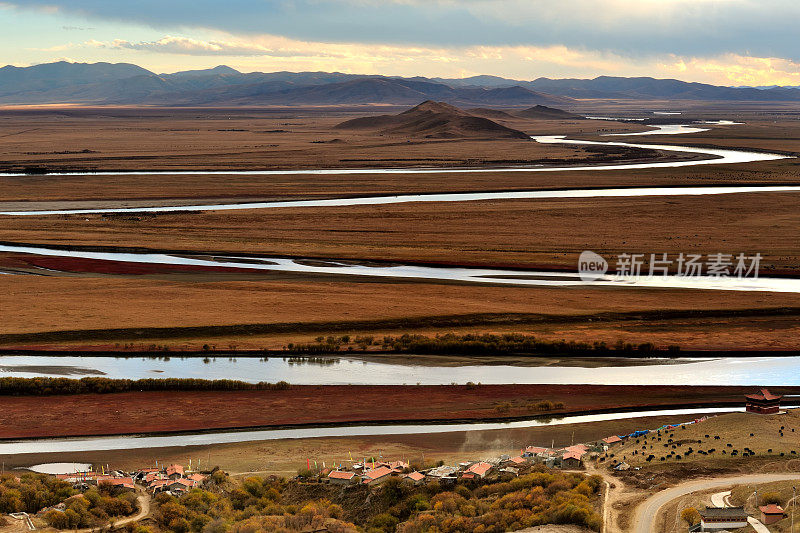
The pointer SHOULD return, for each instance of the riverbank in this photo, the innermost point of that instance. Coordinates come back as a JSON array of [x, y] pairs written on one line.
[[286, 456], [169, 412]]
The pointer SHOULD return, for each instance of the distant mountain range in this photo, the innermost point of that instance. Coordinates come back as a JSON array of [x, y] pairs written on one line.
[[121, 83]]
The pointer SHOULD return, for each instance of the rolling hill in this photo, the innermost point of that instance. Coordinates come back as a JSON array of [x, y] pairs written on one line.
[[433, 120], [546, 113]]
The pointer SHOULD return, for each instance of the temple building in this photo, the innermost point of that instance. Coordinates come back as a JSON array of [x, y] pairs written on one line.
[[763, 402]]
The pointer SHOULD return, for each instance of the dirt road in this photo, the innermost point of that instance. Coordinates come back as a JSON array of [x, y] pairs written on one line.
[[143, 500], [647, 511]]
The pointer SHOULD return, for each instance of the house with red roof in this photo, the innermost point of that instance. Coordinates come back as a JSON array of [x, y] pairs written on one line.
[[341, 477], [158, 485], [377, 475], [573, 459], [580, 448], [174, 471], [396, 466], [125, 483], [415, 477], [479, 469], [763, 402], [771, 513], [536, 451], [515, 461], [613, 439], [181, 485]]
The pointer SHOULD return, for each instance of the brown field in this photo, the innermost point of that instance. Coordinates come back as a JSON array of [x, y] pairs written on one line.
[[546, 234], [174, 139], [283, 310], [155, 412]]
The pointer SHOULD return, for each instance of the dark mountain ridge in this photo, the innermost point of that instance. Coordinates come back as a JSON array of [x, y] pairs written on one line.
[[124, 83]]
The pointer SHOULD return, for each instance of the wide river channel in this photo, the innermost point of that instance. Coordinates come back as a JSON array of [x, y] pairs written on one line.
[[330, 370]]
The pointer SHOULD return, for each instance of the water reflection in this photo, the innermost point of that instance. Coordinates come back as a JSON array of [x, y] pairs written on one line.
[[342, 370]]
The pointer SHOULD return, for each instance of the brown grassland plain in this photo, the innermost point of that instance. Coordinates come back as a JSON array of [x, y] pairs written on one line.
[[164, 412], [547, 234]]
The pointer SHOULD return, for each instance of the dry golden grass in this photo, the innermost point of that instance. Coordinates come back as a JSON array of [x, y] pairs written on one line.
[[42, 304], [532, 234], [736, 431]]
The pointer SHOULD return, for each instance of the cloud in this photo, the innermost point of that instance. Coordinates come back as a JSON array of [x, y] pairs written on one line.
[[189, 46], [267, 52], [640, 28], [733, 69]]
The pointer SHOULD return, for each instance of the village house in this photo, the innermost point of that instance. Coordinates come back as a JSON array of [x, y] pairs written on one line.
[[572, 459], [415, 477], [153, 476], [174, 471], [763, 402], [442, 471], [396, 466], [478, 470], [158, 485], [510, 470], [124, 483], [341, 477], [199, 479], [180, 486], [610, 441], [378, 475], [718, 518], [536, 451], [771, 513], [514, 461]]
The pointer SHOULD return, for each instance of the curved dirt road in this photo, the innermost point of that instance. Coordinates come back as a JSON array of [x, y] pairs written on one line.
[[646, 512], [144, 509]]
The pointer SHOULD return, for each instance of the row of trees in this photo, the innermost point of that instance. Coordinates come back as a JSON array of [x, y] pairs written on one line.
[[48, 386], [476, 344]]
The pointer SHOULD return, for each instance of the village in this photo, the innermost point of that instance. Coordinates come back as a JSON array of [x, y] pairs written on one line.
[[614, 455], [173, 479]]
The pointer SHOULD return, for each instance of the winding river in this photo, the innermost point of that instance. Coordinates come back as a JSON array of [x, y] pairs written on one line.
[[777, 371], [416, 272], [715, 156]]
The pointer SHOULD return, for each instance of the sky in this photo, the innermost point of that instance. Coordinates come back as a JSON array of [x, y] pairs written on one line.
[[724, 42]]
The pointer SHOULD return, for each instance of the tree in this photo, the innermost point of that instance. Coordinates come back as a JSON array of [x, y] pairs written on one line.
[[57, 519], [771, 497], [690, 515]]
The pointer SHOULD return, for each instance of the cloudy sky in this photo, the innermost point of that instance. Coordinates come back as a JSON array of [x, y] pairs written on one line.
[[726, 42]]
